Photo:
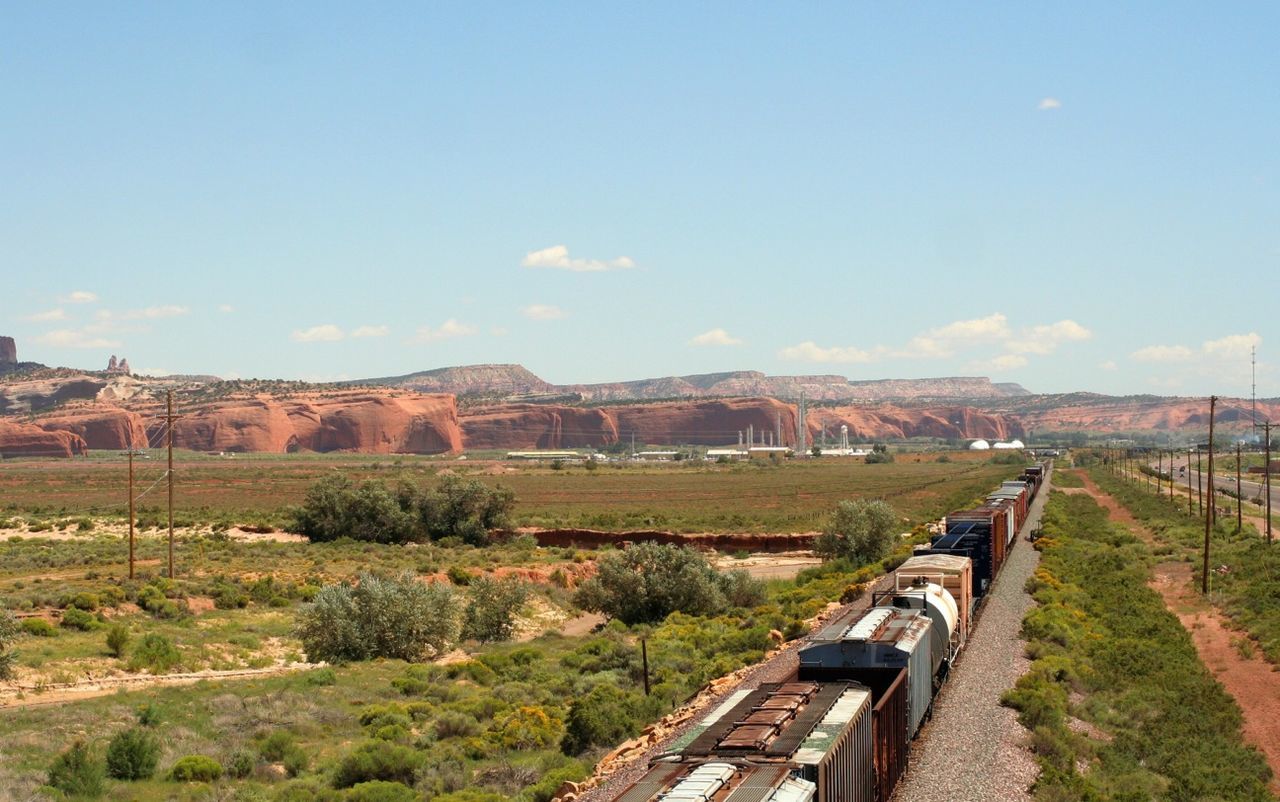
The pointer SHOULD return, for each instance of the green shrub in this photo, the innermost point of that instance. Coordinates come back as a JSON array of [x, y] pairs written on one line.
[[75, 618], [306, 791], [336, 507], [39, 627], [132, 755], [322, 677], [9, 630], [77, 773], [459, 576], [491, 608], [648, 581], [117, 640], [524, 728], [377, 760], [195, 768], [381, 791], [88, 602], [379, 617], [155, 653], [240, 764], [280, 747], [148, 714], [859, 531], [606, 716]]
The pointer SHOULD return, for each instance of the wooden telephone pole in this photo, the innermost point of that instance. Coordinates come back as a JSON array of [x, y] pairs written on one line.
[[1208, 518], [1239, 495], [1266, 472], [131, 504], [169, 422], [1191, 493]]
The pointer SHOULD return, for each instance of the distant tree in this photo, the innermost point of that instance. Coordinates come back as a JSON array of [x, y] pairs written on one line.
[[816, 451], [649, 581], [861, 531], [379, 617], [491, 608], [336, 507], [465, 508], [9, 629]]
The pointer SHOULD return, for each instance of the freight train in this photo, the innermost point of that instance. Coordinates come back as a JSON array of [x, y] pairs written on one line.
[[840, 730]]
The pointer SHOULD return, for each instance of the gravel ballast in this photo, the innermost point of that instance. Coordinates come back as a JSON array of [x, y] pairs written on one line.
[[974, 749]]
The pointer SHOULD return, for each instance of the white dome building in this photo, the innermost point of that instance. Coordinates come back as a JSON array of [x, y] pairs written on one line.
[[1012, 444], [979, 445]]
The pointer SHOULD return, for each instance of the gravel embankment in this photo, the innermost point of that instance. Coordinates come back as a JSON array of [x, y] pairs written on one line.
[[973, 750]]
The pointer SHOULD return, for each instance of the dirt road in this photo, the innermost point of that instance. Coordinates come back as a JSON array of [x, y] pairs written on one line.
[[1251, 680]]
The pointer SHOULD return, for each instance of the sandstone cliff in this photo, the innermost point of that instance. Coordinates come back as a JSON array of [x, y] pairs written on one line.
[[343, 421], [894, 423], [103, 427], [8, 353], [25, 440], [521, 426]]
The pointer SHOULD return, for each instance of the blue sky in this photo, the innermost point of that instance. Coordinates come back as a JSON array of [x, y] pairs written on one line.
[[1075, 198]]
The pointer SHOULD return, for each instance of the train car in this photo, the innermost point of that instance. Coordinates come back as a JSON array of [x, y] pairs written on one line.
[[822, 733], [951, 572], [978, 535], [719, 782], [935, 601], [1009, 506], [868, 646]]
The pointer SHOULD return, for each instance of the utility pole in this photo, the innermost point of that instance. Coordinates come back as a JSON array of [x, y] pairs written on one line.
[[131, 503], [1208, 518], [644, 657], [1266, 472], [1191, 494], [1239, 494], [1199, 483], [169, 421]]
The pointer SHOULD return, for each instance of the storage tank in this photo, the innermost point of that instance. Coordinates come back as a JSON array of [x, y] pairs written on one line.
[[953, 573], [917, 593], [866, 646]]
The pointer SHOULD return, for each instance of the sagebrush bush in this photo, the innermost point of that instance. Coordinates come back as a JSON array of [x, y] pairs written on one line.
[[379, 617], [132, 754], [491, 608], [117, 640], [155, 653], [859, 531], [377, 760], [39, 627], [77, 773], [196, 768], [381, 791]]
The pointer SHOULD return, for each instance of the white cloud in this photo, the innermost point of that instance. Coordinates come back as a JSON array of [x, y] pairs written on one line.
[[943, 341], [326, 332], [1162, 353], [1234, 345], [1044, 339], [1049, 104], [557, 258], [447, 331], [46, 317], [79, 297], [543, 312], [371, 331], [809, 351], [715, 337], [498, 331], [70, 338], [1001, 363], [226, 309], [154, 312], [1110, 364]]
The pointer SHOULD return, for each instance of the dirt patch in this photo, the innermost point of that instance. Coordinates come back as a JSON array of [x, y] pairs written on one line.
[[200, 604], [771, 566], [1251, 680], [257, 536]]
